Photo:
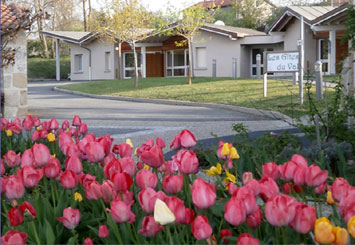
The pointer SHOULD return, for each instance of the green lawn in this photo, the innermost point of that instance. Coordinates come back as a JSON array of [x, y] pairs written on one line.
[[282, 96], [45, 68]]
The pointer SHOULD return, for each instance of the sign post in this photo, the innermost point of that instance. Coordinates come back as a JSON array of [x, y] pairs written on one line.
[[301, 60]]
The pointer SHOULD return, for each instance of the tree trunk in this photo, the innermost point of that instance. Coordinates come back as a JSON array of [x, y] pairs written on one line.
[[84, 15], [120, 66], [135, 65], [39, 19], [89, 14], [190, 62]]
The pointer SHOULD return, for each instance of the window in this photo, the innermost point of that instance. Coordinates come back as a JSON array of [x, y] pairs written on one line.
[[201, 57], [323, 54], [254, 53], [128, 62], [107, 61], [78, 62], [177, 63]]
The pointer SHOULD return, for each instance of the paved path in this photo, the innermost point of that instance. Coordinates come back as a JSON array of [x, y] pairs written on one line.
[[140, 121]]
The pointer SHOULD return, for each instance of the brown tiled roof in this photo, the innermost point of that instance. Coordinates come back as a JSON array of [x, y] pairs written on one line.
[[11, 18]]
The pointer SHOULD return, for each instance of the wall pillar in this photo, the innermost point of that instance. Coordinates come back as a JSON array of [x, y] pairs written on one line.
[[332, 38], [144, 72], [57, 60]]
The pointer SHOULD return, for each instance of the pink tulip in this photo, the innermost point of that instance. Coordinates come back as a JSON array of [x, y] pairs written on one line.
[[72, 150], [173, 183], [122, 181], [36, 136], [124, 150], [247, 176], [184, 139], [15, 217], [95, 152], [287, 188], [70, 218], [53, 168], [347, 205], [41, 155], [203, 194], [255, 219], [121, 212], [315, 176], [300, 160], [111, 168], [12, 159], [189, 217], [64, 139], [201, 228], [65, 125], [43, 133], [160, 142], [45, 125], [225, 233], [27, 210], [27, 123], [31, 176], [271, 170], [187, 161], [27, 158], [103, 231], [304, 219], [88, 241], [280, 210], [339, 189], [320, 189], [234, 212], [288, 170], [86, 179], [147, 198], [268, 188], [247, 239], [93, 190], [177, 206], [150, 228], [146, 178], [83, 129], [231, 187], [247, 197], [2, 167], [154, 157], [76, 121], [12, 237], [299, 176], [128, 166], [73, 163], [253, 186], [53, 124], [108, 191], [106, 142], [125, 196], [68, 179], [14, 188], [109, 158]]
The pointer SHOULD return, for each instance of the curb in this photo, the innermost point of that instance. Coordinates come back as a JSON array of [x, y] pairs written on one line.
[[256, 112]]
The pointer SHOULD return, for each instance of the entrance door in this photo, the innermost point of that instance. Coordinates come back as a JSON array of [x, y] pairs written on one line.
[[154, 65], [323, 55], [254, 52]]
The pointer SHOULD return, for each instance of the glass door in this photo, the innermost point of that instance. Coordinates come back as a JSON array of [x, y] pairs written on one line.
[[323, 55]]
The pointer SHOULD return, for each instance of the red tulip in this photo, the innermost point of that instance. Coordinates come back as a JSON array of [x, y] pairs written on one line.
[[268, 188], [27, 210], [271, 170], [201, 228], [27, 158], [73, 163], [86, 179], [189, 216], [121, 212], [53, 124], [122, 181], [247, 197], [150, 228], [339, 189], [43, 133], [83, 129], [106, 142], [160, 142], [124, 150], [315, 176], [94, 151], [41, 155], [70, 218], [93, 190], [31, 176], [128, 166], [288, 170], [234, 212], [203, 194], [76, 121], [146, 178], [27, 123], [247, 176], [108, 191], [14, 237], [287, 188], [45, 125], [2, 167], [225, 233], [53, 168], [109, 158], [153, 157], [187, 161], [173, 183], [14, 187], [111, 168], [184, 139], [65, 125], [12, 159], [15, 217], [304, 219], [247, 239], [177, 206], [280, 210], [147, 198], [255, 219], [103, 231], [88, 241], [68, 179]]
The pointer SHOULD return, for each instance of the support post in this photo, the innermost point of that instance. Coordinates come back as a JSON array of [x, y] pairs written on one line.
[[301, 59], [295, 78], [57, 60], [319, 79], [144, 72], [265, 84], [332, 37], [234, 67], [258, 66], [214, 68]]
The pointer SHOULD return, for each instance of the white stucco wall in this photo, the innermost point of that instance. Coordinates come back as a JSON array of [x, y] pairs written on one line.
[[98, 50]]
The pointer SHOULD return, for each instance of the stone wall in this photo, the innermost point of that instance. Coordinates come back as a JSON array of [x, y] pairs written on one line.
[[14, 82]]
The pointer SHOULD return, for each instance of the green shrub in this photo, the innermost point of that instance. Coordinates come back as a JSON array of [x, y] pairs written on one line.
[[46, 68]]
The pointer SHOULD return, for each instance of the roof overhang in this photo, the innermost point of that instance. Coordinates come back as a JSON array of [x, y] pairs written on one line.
[[336, 16], [80, 37], [284, 19]]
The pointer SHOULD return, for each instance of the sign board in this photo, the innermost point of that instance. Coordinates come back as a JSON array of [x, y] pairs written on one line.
[[282, 61]]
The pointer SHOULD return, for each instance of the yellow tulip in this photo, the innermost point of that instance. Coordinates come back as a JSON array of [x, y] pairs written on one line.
[[230, 178], [233, 153], [145, 166], [351, 226], [135, 152], [53, 155], [38, 128], [51, 137], [341, 235], [8, 132], [78, 197], [225, 150], [323, 231], [129, 142], [330, 199], [214, 170], [162, 214]]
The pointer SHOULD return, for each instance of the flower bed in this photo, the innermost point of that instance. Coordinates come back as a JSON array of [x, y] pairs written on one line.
[[65, 185]]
